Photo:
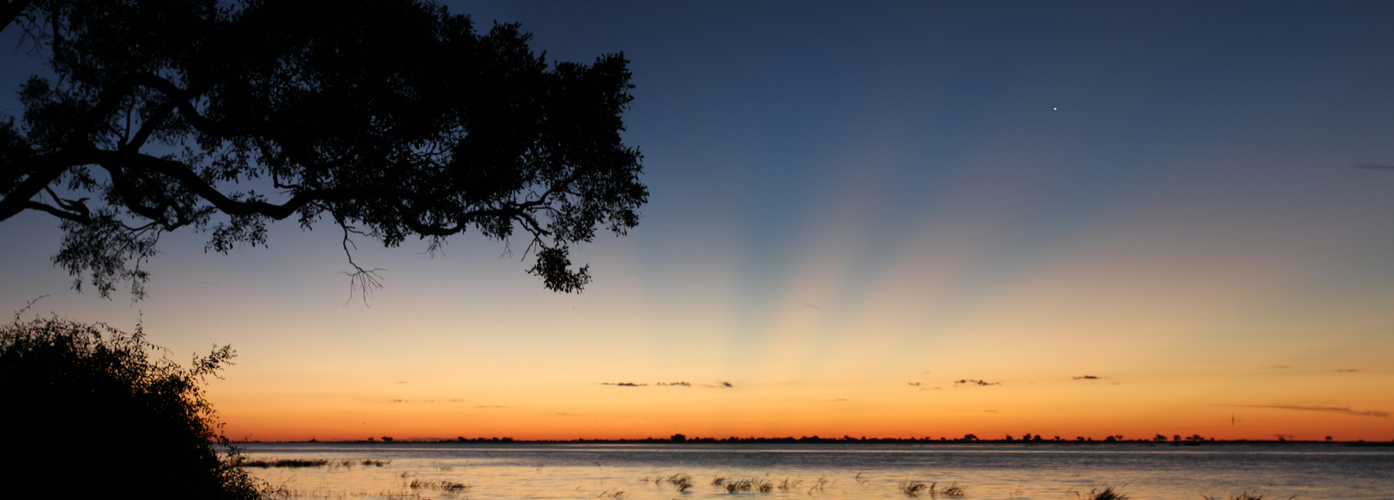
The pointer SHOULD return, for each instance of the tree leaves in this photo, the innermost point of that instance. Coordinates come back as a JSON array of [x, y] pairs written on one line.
[[393, 118]]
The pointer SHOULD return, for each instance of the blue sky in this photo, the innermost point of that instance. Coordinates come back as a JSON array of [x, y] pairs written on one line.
[[847, 196]]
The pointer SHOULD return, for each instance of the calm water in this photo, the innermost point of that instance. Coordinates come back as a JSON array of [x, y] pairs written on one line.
[[634, 471]]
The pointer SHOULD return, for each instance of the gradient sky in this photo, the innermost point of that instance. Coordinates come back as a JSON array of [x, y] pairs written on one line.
[[897, 220]]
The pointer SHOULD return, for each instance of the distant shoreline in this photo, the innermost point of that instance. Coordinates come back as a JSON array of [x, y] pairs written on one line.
[[833, 441]]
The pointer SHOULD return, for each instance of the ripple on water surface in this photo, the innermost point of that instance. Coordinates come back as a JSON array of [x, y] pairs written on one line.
[[847, 471]]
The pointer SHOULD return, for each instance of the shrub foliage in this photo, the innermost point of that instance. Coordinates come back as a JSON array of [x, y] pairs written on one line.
[[90, 414]]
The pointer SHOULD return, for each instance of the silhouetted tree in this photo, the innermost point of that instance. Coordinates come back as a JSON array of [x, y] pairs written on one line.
[[391, 119], [88, 414]]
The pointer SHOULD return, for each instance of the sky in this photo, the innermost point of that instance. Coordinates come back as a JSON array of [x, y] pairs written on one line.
[[914, 219]]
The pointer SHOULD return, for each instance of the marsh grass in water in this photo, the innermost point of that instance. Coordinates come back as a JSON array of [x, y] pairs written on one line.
[[683, 482], [916, 488], [680, 481], [1246, 495], [913, 488], [750, 484], [295, 463], [640, 472], [291, 463], [1108, 493], [447, 487]]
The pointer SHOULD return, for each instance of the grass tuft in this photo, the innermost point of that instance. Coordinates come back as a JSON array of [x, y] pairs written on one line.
[[953, 490], [1246, 495], [913, 488], [447, 487], [738, 485], [680, 481], [1108, 493]]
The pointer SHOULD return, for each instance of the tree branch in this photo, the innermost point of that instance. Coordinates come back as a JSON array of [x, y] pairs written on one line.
[[80, 218], [11, 10], [191, 181], [361, 279], [42, 172]]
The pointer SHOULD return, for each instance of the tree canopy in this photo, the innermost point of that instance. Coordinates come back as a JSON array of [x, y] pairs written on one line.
[[391, 119]]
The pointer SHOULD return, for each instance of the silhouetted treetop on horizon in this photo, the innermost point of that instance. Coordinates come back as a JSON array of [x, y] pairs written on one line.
[[391, 119]]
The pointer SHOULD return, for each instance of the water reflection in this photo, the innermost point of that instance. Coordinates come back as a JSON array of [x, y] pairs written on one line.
[[545, 471]]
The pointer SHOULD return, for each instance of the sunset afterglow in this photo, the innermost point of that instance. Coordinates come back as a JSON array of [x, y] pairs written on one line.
[[924, 219]]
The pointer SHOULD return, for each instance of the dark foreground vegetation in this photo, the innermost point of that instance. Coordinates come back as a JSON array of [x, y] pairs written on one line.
[[89, 402]]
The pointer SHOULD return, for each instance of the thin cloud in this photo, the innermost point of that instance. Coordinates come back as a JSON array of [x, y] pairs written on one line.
[[914, 384], [680, 383], [490, 406], [417, 400], [1328, 409], [1348, 370], [1087, 377], [969, 381]]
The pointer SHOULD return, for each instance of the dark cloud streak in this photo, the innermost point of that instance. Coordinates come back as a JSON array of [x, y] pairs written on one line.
[[970, 381], [1328, 409], [720, 385]]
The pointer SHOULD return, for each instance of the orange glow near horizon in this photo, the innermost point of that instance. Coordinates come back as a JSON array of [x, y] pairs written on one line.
[[907, 219]]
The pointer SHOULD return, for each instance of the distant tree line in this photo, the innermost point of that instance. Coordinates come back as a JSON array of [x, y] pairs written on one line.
[[1176, 440]]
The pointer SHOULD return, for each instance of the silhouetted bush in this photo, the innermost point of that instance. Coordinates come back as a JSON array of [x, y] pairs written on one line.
[[88, 414]]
